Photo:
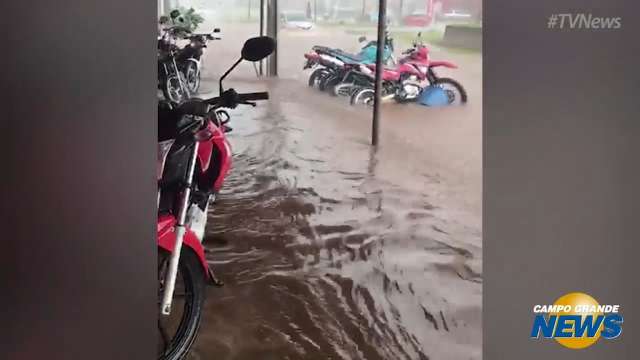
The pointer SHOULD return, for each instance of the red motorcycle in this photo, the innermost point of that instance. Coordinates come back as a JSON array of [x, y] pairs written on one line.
[[405, 82], [194, 157]]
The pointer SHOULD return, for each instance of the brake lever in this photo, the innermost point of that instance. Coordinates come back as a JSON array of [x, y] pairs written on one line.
[[253, 104]]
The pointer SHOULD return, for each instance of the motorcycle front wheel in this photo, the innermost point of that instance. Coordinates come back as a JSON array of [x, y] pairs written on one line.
[[363, 96], [174, 91], [178, 330], [192, 77]]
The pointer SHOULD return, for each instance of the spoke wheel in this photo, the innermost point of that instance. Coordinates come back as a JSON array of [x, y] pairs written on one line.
[[363, 97], [192, 76], [177, 331], [174, 91], [456, 94]]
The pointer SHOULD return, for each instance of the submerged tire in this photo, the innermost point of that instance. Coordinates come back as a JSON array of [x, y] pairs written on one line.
[[192, 277], [315, 77], [342, 89], [328, 82], [363, 96], [462, 93]]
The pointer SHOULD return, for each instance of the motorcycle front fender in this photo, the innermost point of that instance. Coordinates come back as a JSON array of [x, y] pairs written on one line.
[[167, 240]]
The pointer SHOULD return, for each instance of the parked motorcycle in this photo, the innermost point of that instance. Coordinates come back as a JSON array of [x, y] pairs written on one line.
[[193, 160], [171, 80], [179, 68], [404, 83], [189, 58], [331, 64]]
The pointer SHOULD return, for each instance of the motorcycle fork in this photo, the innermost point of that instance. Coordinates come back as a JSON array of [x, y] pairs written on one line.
[[166, 71], [180, 230], [431, 76], [183, 86]]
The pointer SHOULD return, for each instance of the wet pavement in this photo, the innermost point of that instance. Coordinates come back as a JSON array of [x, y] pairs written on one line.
[[331, 250]]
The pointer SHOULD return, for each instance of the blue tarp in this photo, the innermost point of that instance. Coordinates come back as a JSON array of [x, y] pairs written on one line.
[[434, 96]]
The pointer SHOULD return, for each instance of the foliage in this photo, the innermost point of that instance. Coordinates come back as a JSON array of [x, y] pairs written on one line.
[[188, 19]]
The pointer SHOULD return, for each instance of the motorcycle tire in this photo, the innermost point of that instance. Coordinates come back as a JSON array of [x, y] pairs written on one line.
[[192, 77], [462, 93], [342, 89], [362, 96], [193, 278], [327, 83], [172, 95], [315, 77]]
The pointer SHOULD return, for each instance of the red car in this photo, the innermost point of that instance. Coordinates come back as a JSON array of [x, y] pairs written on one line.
[[418, 19]]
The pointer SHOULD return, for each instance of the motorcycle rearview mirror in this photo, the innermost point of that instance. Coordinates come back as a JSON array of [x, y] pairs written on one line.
[[362, 39], [254, 49], [258, 48], [216, 30]]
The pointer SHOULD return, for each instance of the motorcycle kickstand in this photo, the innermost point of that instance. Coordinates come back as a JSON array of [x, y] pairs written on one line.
[[214, 280]]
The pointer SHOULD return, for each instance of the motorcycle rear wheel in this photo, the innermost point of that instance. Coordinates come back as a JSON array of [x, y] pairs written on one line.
[[446, 83], [316, 75], [187, 306], [328, 82]]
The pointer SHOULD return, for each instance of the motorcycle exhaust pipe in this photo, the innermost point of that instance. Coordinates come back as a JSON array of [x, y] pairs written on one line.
[[170, 280]]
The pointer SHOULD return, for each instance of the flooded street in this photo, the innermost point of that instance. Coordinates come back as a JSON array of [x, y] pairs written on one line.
[[330, 250]]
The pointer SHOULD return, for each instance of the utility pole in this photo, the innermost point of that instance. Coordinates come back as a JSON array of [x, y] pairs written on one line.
[[382, 17], [262, 30], [272, 31], [249, 11], [315, 11]]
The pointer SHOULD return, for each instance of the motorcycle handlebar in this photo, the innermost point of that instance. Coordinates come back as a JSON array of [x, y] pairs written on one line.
[[254, 96], [230, 98]]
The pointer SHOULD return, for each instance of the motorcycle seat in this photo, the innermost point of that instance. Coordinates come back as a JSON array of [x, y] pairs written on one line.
[[347, 57]]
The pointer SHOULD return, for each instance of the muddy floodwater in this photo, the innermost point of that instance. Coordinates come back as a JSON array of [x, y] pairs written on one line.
[[328, 249]]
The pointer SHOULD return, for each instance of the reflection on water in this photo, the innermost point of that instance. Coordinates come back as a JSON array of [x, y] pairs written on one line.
[[324, 258]]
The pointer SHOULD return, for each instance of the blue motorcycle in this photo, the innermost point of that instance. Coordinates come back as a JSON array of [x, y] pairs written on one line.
[[335, 65]]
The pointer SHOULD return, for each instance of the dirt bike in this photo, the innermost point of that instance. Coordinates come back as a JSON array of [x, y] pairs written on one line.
[[194, 157], [406, 82], [331, 64]]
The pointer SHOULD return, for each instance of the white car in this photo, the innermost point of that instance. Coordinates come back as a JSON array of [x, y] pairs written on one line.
[[455, 15], [295, 20]]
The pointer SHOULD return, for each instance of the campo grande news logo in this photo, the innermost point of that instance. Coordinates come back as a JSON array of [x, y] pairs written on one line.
[[576, 321]]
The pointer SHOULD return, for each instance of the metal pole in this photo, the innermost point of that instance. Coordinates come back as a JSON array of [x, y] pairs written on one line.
[[382, 17], [272, 31], [315, 11], [261, 32]]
